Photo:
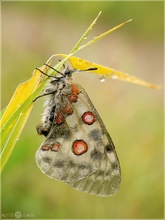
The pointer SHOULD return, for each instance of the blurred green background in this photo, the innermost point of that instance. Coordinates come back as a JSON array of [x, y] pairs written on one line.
[[31, 33]]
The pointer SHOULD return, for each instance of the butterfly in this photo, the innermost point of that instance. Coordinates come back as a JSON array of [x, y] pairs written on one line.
[[78, 149]]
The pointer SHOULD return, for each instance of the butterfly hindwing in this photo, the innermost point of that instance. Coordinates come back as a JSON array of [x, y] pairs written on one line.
[[101, 155]]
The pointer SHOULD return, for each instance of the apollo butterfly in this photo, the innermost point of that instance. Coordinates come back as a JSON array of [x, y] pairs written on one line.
[[78, 148]]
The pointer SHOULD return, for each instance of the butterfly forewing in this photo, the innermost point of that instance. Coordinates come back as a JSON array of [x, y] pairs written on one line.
[[78, 149]]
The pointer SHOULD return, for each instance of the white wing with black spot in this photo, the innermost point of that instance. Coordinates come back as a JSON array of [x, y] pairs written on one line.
[[78, 149]]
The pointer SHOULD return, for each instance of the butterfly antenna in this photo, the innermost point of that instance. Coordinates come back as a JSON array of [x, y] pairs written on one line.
[[63, 64], [54, 69], [89, 69]]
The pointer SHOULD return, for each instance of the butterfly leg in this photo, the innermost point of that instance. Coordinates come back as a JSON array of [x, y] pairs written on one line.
[[49, 93]]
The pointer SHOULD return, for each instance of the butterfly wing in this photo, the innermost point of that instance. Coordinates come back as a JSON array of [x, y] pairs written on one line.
[[80, 152]]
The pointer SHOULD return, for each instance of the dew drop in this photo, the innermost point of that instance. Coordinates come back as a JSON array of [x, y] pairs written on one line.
[[102, 78], [85, 38], [115, 77]]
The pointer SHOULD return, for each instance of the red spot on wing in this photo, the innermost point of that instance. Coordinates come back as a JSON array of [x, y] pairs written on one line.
[[79, 147], [68, 110], [59, 118], [46, 147], [75, 90], [88, 118], [55, 147], [73, 98]]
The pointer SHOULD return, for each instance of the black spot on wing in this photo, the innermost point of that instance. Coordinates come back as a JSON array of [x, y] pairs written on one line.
[[59, 164], [64, 163], [115, 166], [71, 164], [60, 131], [47, 160], [95, 135], [84, 166], [108, 148], [96, 155]]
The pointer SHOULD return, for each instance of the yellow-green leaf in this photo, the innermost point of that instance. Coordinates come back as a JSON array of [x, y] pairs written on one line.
[[104, 71], [16, 114]]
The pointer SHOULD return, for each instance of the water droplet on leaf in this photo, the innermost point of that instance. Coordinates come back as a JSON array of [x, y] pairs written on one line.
[[115, 77], [102, 78]]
